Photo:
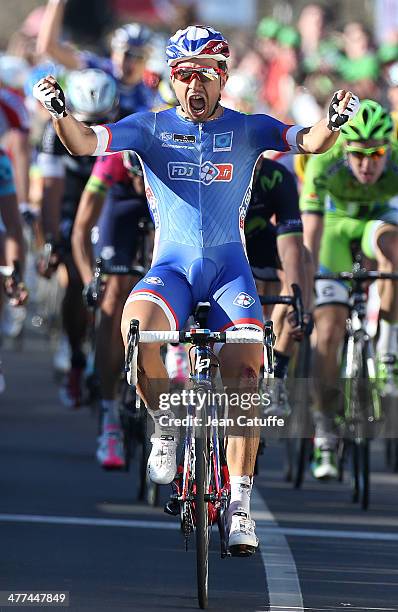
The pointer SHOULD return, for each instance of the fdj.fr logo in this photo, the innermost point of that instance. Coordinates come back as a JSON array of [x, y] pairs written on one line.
[[244, 300], [205, 174]]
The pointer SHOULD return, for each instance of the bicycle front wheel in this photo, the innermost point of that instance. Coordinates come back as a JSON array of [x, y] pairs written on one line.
[[202, 520]]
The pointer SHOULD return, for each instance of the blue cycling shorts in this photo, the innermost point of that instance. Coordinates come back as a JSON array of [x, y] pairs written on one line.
[[184, 276], [115, 238]]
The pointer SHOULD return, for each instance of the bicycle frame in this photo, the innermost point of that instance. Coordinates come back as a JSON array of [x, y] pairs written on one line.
[[201, 488], [360, 361]]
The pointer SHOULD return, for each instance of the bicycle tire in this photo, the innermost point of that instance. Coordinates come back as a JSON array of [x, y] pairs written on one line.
[[361, 472], [298, 448], [395, 462], [297, 457], [149, 491], [202, 520], [360, 476], [302, 455], [126, 425]]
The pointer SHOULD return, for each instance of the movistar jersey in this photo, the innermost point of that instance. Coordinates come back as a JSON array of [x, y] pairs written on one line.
[[330, 186]]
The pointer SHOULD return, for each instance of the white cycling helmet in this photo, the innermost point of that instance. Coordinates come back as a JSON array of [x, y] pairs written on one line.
[[91, 94], [197, 41], [14, 71], [131, 36]]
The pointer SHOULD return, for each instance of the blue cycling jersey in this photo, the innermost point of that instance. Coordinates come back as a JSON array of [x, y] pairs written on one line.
[[198, 180], [198, 176]]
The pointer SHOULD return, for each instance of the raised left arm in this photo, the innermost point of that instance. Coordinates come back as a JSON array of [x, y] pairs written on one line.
[[322, 136]]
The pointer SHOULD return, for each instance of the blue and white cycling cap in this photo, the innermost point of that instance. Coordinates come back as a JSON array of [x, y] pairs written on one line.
[[197, 41], [131, 35]]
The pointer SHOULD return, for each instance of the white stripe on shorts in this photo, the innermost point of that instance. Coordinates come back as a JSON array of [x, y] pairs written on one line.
[[155, 299]]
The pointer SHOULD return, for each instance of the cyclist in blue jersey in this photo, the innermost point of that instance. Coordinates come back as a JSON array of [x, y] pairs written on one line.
[[198, 162], [129, 53]]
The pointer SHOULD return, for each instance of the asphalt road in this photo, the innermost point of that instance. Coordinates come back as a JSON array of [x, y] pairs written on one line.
[[65, 525]]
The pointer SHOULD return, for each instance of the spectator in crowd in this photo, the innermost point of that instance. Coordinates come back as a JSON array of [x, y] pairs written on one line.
[[280, 84], [359, 63], [392, 92], [319, 52]]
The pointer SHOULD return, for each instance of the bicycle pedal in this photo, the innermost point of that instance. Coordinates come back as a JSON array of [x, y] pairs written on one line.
[[172, 507], [242, 550], [225, 554]]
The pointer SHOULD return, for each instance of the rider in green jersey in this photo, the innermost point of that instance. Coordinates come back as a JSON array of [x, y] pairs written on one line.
[[348, 195]]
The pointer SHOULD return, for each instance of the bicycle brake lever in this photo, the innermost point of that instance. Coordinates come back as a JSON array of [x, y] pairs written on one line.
[[269, 339], [131, 362]]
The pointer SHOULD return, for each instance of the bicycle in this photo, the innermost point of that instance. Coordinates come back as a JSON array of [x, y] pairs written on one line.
[[201, 488], [362, 410]]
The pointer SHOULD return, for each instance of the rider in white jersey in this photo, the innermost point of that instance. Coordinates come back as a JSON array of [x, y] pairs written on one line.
[[198, 161]]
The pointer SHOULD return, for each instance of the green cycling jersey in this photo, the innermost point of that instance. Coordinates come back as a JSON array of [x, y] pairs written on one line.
[[352, 211], [330, 187]]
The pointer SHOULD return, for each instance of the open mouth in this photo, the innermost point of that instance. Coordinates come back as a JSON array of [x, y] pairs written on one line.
[[197, 105], [367, 177]]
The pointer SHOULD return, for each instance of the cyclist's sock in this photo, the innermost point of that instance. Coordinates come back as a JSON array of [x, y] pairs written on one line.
[[167, 427], [241, 488], [388, 338], [325, 430], [281, 364], [110, 413]]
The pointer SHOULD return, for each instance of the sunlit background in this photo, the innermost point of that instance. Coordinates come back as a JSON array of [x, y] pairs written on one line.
[[287, 57]]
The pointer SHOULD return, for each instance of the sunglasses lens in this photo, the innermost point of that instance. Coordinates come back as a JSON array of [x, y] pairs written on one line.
[[203, 74], [376, 154], [183, 75]]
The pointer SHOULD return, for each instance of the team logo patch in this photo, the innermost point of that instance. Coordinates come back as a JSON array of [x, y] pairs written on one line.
[[108, 252], [206, 174], [184, 138], [222, 142], [244, 300], [154, 280], [95, 234], [166, 136]]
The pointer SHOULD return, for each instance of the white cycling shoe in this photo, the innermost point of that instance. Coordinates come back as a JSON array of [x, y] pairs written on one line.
[[162, 462], [242, 537]]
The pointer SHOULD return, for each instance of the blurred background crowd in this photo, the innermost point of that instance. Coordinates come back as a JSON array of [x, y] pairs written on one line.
[[288, 57]]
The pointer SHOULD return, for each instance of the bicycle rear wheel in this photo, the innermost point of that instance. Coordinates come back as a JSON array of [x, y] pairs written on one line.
[[202, 520]]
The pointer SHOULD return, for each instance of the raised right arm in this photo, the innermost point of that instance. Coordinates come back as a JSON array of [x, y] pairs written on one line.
[[132, 133], [48, 40]]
